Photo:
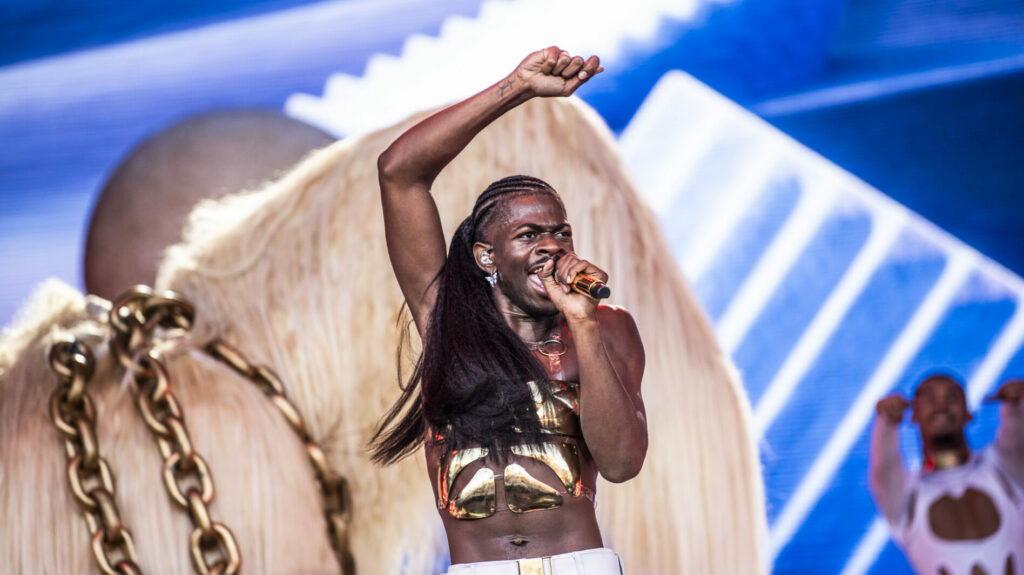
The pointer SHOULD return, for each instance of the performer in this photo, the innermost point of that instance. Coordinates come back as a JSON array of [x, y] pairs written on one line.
[[525, 389], [963, 513]]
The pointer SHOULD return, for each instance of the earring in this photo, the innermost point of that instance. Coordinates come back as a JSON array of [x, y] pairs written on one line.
[[485, 259]]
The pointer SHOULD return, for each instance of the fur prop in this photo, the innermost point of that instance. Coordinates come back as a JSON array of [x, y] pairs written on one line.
[[296, 276]]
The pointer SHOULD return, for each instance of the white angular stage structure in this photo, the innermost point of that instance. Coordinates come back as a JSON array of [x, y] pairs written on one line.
[[828, 296]]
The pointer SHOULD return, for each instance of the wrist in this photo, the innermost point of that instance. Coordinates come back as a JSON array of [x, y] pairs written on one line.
[[890, 420], [582, 323], [513, 90]]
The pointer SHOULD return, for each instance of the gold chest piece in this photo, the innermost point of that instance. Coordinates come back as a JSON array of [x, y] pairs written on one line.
[[523, 492], [560, 415], [477, 499]]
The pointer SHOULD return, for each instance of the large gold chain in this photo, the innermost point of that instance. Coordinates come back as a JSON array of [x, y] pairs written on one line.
[[333, 487], [142, 323], [92, 482]]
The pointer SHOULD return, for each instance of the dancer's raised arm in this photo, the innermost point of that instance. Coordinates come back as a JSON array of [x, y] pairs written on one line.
[[407, 169], [1010, 438], [887, 478]]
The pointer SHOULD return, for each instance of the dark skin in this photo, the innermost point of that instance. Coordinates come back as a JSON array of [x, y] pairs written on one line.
[[940, 412], [939, 409], [604, 352]]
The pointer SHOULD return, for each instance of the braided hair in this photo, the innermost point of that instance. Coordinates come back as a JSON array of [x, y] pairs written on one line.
[[469, 385]]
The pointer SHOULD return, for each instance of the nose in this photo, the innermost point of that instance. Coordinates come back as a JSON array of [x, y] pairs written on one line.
[[549, 246]]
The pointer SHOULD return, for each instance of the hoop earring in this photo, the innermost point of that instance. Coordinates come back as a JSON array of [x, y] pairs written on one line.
[[492, 278]]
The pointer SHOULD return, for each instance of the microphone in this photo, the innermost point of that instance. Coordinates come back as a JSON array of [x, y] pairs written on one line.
[[588, 284], [591, 286]]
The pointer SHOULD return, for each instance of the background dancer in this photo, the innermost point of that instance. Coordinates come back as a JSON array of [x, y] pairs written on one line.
[[963, 512]]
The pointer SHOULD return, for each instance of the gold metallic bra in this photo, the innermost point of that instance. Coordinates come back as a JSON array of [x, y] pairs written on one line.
[[478, 498]]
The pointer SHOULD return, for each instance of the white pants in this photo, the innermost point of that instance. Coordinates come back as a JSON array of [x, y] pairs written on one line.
[[600, 561]]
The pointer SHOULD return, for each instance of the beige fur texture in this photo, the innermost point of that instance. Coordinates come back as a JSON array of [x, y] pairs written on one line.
[[264, 490], [296, 275]]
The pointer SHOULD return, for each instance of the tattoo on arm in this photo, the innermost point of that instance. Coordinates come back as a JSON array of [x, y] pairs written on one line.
[[504, 85]]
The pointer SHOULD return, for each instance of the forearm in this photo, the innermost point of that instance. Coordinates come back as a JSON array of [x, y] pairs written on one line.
[[1011, 428], [613, 423], [406, 170], [887, 477], [418, 156], [1010, 439]]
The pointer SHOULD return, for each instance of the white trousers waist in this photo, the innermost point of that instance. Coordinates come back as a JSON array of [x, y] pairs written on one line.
[[600, 561]]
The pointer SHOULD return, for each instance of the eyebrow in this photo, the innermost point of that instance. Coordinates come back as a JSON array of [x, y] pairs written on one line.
[[540, 227]]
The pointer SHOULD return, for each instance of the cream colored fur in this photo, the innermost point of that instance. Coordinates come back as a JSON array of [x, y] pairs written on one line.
[[265, 493], [297, 276]]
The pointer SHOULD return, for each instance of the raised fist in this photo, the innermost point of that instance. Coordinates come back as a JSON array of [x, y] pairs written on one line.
[[1012, 391], [558, 277], [892, 407], [553, 72]]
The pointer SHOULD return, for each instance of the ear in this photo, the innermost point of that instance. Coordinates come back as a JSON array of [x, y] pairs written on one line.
[[483, 255]]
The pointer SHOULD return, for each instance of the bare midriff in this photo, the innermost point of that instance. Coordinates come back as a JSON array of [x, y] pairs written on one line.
[[505, 534], [537, 501]]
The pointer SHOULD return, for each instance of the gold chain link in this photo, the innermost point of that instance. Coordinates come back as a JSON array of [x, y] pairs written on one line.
[[142, 321], [89, 475], [333, 487]]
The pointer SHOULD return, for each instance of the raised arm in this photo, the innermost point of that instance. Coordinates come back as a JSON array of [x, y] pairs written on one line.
[[887, 476], [1010, 439], [407, 169]]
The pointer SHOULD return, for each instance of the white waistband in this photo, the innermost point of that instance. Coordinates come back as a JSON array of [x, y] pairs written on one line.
[[600, 561]]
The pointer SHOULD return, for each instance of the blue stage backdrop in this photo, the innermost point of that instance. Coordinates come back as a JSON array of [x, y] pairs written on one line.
[[839, 180]]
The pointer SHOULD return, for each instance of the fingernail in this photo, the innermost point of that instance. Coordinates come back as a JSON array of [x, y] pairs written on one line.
[[583, 75]]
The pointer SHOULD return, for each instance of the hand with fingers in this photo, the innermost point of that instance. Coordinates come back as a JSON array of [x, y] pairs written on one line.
[[1012, 392], [554, 72], [557, 279], [892, 407]]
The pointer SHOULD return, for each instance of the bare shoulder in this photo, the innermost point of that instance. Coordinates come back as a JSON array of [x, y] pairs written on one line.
[[617, 320], [620, 334]]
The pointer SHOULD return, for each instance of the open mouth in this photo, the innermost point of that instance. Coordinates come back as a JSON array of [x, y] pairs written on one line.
[[538, 265], [535, 282], [533, 276]]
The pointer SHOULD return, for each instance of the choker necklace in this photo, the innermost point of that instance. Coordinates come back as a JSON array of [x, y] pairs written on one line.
[[947, 460]]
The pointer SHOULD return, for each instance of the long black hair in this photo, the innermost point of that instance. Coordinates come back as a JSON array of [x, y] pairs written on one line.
[[469, 385]]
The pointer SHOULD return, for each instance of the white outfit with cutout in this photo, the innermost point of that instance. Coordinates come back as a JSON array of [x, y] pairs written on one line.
[[928, 552]]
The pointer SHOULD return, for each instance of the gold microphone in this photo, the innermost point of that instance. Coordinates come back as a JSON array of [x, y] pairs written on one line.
[[586, 284], [591, 286]]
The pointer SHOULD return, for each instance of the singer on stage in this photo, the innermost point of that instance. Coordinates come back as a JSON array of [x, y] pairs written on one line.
[[526, 388]]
